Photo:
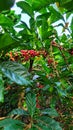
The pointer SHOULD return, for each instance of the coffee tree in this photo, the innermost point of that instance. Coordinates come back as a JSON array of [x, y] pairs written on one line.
[[36, 66]]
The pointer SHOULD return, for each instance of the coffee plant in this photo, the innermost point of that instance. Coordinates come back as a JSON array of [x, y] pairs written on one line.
[[36, 65]]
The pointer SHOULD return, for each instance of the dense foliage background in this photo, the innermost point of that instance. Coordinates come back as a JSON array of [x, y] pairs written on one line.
[[36, 65]]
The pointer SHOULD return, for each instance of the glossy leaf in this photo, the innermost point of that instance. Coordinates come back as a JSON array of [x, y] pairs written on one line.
[[41, 18], [55, 15], [26, 8], [46, 123], [15, 72], [5, 21], [6, 5], [71, 26], [66, 4], [6, 40], [18, 111], [11, 124], [50, 111], [37, 5], [31, 103], [1, 89], [62, 92]]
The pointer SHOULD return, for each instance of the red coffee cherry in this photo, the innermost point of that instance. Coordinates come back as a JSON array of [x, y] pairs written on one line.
[[50, 61], [24, 52], [54, 43], [32, 53]]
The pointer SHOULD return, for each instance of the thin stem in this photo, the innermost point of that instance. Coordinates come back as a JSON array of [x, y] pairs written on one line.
[[31, 64]]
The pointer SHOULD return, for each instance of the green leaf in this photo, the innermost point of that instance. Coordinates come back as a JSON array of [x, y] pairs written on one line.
[[13, 127], [15, 72], [18, 111], [6, 4], [42, 24], [39, 4], [32, 24], [62, 92], [42, 18], [22, 25], [1, 89], [5, 21], [11, 124], [26, 8], [6, 40], [50, 111], [33, 128], [44, 65], [46, 123], [71, 27], [68, 4], [31, 103], [55, 15], [46, 88]]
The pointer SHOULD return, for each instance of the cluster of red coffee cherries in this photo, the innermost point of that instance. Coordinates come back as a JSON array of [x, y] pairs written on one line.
[[27, 54]]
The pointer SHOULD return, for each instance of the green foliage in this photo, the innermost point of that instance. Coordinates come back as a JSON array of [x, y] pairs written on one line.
[[36, 5], [48, 123], [15, 72], [31, 103], [26, 8], [18, 111], [67, 4], [8, 124], [1, 89], [5, 21], [39, 80], [50, 111], [6, 4], [6, 40]]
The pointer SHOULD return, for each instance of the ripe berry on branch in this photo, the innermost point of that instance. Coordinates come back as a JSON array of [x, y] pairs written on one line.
[[39, 85], [71, 51], [50, 61], [32, 53], [24, 52], [54, 43]]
